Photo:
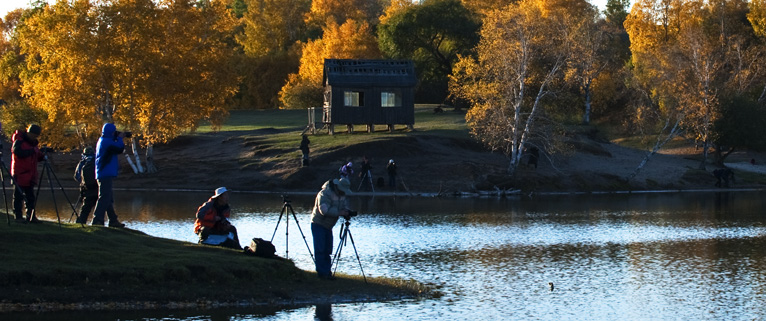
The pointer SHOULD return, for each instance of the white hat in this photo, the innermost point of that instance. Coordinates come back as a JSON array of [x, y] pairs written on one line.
[[219, 191], [390, 161], [344, 185]]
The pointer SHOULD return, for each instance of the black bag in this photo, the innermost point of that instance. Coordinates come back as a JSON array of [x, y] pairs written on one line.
[[261, 247]]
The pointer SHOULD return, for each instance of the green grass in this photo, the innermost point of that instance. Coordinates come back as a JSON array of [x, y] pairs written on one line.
[[281, 144], [294, 121], [48, 263]]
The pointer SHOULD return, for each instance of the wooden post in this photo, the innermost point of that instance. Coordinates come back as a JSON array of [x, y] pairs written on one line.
[[331, 129], [350, 128], [391, 128], [370, 128]]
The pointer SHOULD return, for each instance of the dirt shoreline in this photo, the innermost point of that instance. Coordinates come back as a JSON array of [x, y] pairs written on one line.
[[429, 165]]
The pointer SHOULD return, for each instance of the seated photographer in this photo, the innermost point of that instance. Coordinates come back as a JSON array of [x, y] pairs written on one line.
[[212, 224], [329, 205]]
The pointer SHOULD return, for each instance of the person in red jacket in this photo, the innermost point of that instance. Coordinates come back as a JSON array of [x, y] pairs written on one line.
[[24, 158], [212, 224]]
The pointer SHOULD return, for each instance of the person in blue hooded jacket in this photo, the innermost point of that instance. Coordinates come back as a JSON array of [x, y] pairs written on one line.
[[109, 147]]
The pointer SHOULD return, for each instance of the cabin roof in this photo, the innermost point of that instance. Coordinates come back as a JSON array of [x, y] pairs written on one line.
[[369, 73]]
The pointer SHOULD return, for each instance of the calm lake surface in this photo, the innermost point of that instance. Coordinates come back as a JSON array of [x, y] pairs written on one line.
[[677, 256]]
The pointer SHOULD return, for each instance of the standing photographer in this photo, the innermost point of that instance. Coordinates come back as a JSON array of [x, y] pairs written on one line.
[[109, 146], [24, 158], [85, 174], [329, 205]]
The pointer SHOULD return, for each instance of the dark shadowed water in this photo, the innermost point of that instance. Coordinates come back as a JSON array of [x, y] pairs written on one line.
[[679, 256]]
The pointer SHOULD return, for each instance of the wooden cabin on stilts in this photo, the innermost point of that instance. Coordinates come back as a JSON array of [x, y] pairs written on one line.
[[367, 92]]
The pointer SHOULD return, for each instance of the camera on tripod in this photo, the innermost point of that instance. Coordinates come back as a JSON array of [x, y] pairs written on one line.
[[286, 199], [126, 134], [352, 213]]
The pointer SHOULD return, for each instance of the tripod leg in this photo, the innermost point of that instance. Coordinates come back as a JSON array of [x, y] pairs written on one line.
[[302, 235], [74, 212], [369, 176], [357, 254], [5, 197], [47, 168], [336, 258], [51, 172], [279, 220], [4, 169]]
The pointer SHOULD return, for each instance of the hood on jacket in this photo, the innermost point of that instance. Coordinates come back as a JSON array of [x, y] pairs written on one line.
[[108, 130], [22, 135]]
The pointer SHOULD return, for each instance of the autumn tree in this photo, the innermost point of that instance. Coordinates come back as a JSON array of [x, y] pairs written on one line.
[[11, 61], [324, 12], [353, 39], [432, 34], [590, 55], [271, 37], [154, 68], [520, 60], [757, 18], [685, 53]]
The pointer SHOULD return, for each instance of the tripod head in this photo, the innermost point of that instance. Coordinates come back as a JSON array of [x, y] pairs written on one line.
[[286, 199]]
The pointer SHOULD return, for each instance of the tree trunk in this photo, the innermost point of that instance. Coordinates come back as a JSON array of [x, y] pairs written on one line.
[[586, 116], [133, 166], [150, 167], [673, 133], [134, 145], [704, 155]]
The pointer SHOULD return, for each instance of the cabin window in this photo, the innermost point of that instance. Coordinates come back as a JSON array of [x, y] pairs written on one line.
[[391, 98], [353, 98]]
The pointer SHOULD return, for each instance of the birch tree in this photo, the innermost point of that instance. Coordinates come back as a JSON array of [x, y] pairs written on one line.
[[683, 54], [520, 57]]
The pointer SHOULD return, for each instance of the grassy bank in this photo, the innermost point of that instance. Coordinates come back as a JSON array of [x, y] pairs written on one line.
[[107, 267]]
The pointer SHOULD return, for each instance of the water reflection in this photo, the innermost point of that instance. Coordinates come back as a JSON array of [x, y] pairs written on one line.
[[323, 312], [651, 256]]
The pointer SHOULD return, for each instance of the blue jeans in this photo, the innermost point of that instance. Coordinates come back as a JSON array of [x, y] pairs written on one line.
[[105, 203], [322, 248]]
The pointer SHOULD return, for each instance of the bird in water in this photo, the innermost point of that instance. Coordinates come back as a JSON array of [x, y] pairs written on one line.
[[551, 285]]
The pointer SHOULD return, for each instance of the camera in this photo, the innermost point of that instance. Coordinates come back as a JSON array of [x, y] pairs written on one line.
[[126, 134], [352, 213], [286, 199]]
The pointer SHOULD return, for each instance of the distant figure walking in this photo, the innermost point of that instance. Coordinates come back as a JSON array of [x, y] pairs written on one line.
[[391, 168], [534, 155], [346, 170], [723, 175], [305, 150]]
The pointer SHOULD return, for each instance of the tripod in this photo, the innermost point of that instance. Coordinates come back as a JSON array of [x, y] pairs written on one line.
[[285, 207], [49, 171], [3, 170], [345, 234], [369, 179]]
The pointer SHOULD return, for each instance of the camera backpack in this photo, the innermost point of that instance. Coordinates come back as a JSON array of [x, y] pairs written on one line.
[[261, 247]]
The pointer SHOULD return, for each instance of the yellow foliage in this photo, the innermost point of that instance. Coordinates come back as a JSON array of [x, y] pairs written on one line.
[[156, 69], [520, 54], [757, 16], [352, 40]]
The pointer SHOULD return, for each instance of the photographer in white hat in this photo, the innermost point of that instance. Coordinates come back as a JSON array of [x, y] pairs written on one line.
[[212, 224], [330, 204]]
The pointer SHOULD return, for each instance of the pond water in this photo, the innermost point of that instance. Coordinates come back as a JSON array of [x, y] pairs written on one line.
[[679, 256]]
